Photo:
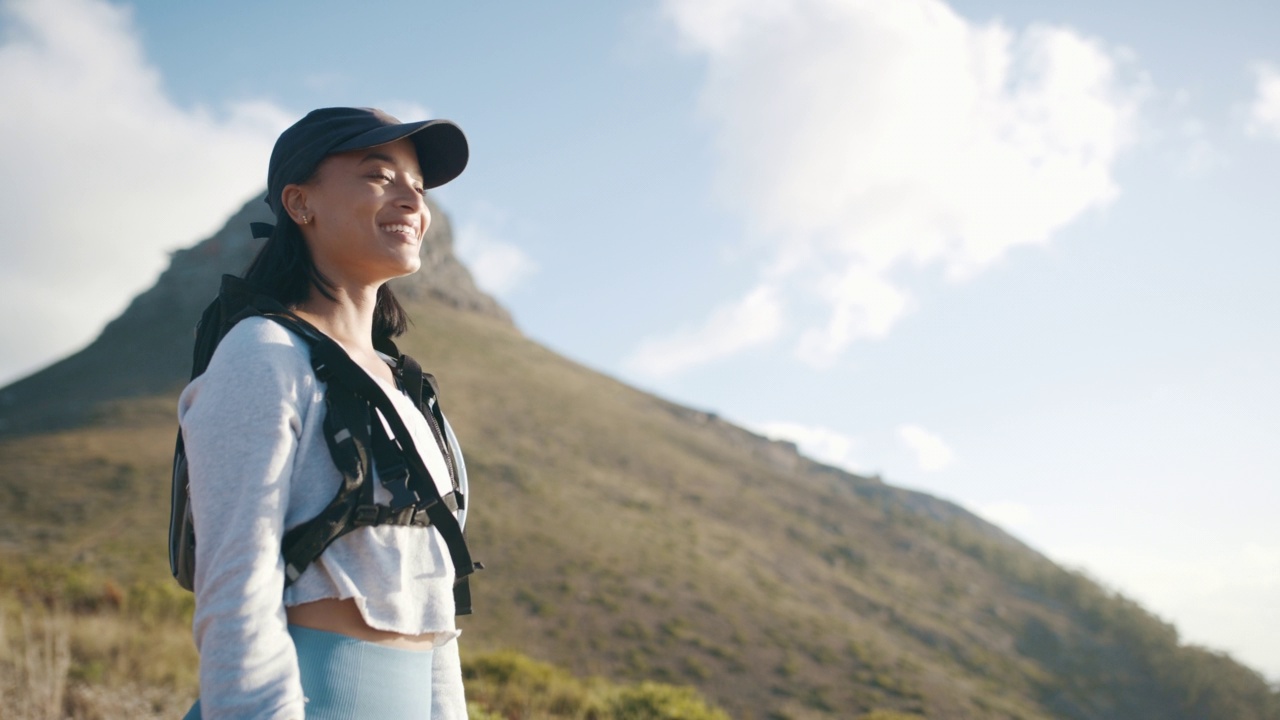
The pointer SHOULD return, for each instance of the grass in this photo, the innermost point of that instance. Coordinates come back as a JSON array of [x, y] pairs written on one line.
[[635, 541], [101, 665], [124, 659], [510, 685]]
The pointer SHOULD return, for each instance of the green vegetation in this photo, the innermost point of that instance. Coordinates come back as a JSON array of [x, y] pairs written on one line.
[[513, 686], [73, 645], [628, 540]]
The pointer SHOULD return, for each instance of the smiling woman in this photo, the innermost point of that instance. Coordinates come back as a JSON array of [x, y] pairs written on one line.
[[361, 623], [363, 214]]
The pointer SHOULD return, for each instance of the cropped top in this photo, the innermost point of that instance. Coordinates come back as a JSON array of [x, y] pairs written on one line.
[[253, 426]]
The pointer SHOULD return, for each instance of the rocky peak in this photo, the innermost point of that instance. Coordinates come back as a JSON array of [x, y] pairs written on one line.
[[148, 348], [193, 275]]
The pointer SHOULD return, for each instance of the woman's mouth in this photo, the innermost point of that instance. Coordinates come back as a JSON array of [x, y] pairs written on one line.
[[409, 231]]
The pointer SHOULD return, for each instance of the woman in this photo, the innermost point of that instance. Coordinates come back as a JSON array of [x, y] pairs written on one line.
[[367, 630]]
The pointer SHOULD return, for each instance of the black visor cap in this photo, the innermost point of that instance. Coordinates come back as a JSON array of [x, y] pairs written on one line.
[[441, 145]]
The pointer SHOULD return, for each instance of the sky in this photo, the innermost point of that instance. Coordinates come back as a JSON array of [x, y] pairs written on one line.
[[1018, 255]]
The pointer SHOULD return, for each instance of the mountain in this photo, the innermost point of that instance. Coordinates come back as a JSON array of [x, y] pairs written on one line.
[[147, 349], [631, 537]]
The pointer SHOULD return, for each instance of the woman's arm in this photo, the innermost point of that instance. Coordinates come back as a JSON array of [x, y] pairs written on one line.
[[241, 422]]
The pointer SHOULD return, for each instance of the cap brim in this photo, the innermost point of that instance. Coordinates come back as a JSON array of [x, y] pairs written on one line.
[[442, 147]]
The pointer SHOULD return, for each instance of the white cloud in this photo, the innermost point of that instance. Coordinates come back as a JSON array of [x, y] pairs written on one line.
[[932, 453], [1007, 514], [101, 172], [863, 139], [499, 267], [751, 321], [1264, 111], [863, 305], [820, 443]]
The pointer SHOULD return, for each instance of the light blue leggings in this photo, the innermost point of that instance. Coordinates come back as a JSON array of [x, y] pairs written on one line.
[[345, 678]]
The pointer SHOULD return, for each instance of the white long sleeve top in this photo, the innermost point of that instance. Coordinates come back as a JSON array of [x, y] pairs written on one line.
[[253, 426]]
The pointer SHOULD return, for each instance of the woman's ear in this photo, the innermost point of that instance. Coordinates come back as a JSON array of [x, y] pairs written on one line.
[[294, 199]]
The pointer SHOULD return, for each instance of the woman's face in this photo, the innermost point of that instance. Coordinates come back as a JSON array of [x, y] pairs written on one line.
[[367, 214]]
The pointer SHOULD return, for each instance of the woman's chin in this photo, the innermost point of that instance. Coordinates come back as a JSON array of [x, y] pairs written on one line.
[[410, 268]]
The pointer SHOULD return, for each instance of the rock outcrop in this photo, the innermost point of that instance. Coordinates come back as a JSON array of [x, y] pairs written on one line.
[[147, 350]]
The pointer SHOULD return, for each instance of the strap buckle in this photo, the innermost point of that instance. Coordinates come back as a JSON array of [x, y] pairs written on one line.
[[366, 515]]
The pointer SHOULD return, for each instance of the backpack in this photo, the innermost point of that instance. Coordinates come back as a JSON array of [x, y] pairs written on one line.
[[355, 442]]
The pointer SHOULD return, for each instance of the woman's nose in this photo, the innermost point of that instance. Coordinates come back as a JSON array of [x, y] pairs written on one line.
[[411, 197]]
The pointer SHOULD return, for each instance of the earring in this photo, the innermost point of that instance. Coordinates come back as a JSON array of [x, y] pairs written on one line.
[[305, 219]]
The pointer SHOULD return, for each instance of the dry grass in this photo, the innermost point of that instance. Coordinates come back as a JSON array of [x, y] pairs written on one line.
[[34, 662], [55, 664]]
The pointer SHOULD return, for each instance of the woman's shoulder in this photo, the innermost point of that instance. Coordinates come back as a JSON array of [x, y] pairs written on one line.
[[259, 336], [260, 330], [260, 346], [257, 364]]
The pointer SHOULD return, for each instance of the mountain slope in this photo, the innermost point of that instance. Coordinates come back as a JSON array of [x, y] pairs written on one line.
[[634, 538]]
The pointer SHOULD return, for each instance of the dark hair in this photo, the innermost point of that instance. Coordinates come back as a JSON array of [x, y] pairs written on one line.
[[284, 270]]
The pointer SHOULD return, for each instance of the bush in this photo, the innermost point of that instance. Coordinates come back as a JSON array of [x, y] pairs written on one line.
[[515, 687], [655, 701], [159, 600]]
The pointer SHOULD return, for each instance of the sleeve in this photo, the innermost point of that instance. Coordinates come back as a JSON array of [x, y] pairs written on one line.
[[448, 701], [240, 422]]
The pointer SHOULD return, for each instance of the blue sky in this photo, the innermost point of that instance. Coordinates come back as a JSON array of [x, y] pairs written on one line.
[[1018, 255]]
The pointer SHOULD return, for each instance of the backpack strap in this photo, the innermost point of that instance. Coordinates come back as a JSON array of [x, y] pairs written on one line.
[[422, 389], [350, 424], [430, 409], [346, 429], [332, 365]]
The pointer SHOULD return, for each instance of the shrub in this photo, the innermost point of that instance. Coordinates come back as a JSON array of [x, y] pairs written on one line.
[[515, 687], [655, 701]]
